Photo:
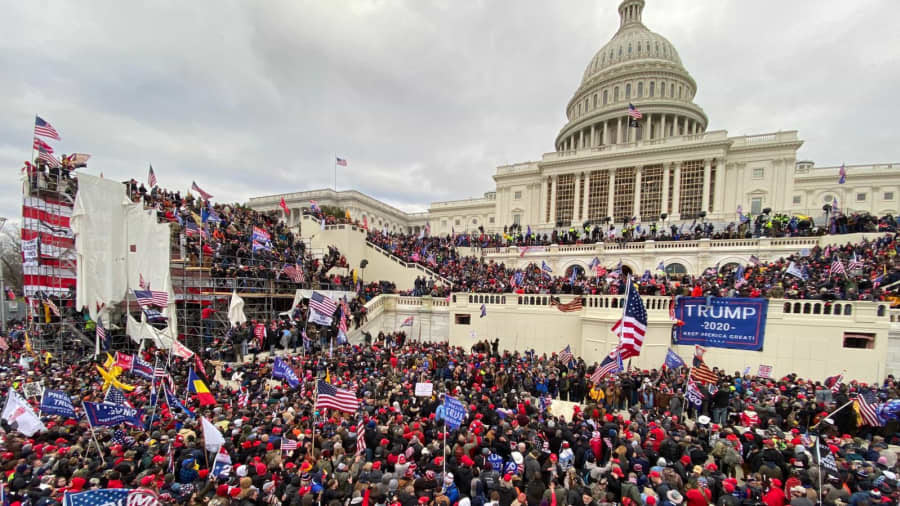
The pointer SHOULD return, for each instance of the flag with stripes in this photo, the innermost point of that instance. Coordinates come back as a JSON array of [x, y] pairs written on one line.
[[50, 304], [837, 267], [611, 364], [293, 272], [360, 438], [408, 322], [39, 144], [48, 157], [573, 305], [329, 396], [634, 112], [340, 161], [566, 356], [867, 405], [151, 177], [156, 298], [854, 263], [102, 336], [142, 368], [116, 396], [702, 373], [842, 172], [322, 304], [693, 394], [833, 383], [199, 190], [632, 327], [288, 445], [44, 129]]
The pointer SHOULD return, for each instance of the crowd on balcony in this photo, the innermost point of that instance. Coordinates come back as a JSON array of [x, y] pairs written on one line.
[[629, 441]]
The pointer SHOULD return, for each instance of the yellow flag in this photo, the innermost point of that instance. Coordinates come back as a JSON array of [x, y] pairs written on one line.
[[28, 343], [197, 219], [347, 213], [354, 276], [327, 376], [109, 362], [47, 357], [46, 313], [109, 378]]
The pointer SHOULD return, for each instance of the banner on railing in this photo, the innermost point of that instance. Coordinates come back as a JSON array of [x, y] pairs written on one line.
[[721, 322]]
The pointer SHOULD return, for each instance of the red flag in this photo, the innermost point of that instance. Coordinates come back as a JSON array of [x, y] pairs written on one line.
[[285, 207], [199, 364]]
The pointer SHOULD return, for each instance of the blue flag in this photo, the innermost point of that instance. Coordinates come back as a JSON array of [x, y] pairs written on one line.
[[57, 402], [483, 311], [673, 361], [283, 371], [545, 267], [107, 415], [173, 403], [110, 496], [142, 368], [454, 412]]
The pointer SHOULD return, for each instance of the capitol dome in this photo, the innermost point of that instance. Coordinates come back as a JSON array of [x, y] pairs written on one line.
[[640, 67]]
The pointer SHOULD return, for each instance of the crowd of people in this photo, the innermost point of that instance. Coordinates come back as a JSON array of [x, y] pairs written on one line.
[[625, 440]]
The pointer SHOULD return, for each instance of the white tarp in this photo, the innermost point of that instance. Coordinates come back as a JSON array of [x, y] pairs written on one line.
[[236, 314], [148, 253], [99, 227], [140, 330]]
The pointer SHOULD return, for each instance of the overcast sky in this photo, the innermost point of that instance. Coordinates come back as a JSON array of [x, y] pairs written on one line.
[[424, 99]]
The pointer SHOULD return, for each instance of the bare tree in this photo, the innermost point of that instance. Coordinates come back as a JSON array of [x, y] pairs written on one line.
[[11, 256]]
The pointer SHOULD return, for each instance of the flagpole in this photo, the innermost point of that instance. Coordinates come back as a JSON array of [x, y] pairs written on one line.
[[93, 435], [153, 382], [819, 463]]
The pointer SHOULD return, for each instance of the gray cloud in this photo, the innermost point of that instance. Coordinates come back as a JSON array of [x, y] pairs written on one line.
[[424, 99]]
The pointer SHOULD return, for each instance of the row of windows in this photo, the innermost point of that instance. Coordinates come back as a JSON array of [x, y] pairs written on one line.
[[634, 49], [457, 222], [651, 90]]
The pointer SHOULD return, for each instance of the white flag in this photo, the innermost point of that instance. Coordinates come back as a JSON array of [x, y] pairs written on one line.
[[181, 350], [212, 438], [19, 414], [236, 314]]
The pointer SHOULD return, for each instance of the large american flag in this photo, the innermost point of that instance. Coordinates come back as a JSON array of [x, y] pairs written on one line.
[[151, 178], [46, 156], [329, 396], [611, 364], [854, 263], [341, 161], [868, 409], [360, 438], [574, 305], [152, 298], [41, 145], [44, 129], [632, 327], [702, 373], [322, 304], [633, 112]]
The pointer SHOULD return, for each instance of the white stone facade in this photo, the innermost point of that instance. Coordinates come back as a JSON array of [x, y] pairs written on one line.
[[668, 163]]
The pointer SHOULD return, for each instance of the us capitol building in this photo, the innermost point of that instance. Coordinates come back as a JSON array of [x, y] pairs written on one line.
[[603, 169]]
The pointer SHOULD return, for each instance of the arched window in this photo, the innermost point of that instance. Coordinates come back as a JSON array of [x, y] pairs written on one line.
[[616, 94], [675, 269], [605, 97], [680, 92], [652, 88], [577, 269], [629, 49], [595, 100], [627, 91], [672, 90], [729, 267], [662, 88], [640, 90]]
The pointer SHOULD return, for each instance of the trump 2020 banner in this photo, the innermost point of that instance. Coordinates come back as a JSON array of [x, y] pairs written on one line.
[[720, 322]]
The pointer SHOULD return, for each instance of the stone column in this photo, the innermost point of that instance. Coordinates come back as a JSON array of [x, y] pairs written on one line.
[[575, 200], [665, 190], [593, 135], [718, 198], [686, 131], [542, 201], [648, 133], [619, 131], [580, 138], [587, 195], [612, 193], [707, 171], [662, 127], [636, 208], [606, 132], [553, 200], [676, 193]]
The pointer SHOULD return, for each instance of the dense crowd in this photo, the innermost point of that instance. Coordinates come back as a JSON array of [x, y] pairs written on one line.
[[863, 268], [627, 441]]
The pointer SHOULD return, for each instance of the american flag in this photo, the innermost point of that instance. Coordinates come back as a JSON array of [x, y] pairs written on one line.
[[834, 382], [243, 398], [633, 112], [152, 298], [293, 272], [701, 372], [160, 372], [568, 307], [322, 304], [288, 445], [566, 356], [842, 172], [116, 396], [202, 193], [867, 404], [360, 438], [342, 323], [611, 364], [329, 396], [49, 158], [44, 129], [340, 161], [837, 267], [259, 332], [854, 263], [408, 322], [101, 334], [313, 205], [41, 145], [632, 327], [151, 178], [754, 260]]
